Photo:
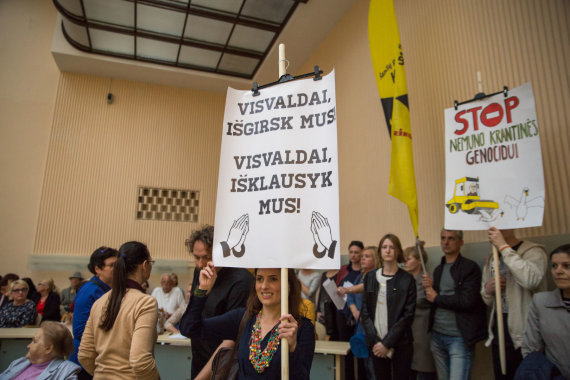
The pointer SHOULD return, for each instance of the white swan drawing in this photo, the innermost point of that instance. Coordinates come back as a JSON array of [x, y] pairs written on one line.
[[522, 204]]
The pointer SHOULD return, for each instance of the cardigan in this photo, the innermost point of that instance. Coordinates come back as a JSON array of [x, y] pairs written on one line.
[[127, 350], [422, 360], [226, 326], [401, 301], [57, 369]]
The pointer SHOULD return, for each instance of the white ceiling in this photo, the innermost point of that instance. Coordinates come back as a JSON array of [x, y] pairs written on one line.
[[308, 26]]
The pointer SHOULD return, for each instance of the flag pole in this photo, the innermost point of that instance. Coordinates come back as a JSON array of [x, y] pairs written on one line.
[[284, 272], [420, 250], [499, 311]]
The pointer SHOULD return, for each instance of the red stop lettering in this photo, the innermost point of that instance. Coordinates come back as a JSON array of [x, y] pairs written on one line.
[[490, 116]]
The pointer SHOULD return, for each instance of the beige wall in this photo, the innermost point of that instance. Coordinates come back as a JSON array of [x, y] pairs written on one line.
[[99, 155], [445, 43], [167, 137], [28, 84]]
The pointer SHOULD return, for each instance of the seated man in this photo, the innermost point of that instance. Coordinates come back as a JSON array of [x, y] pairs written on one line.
[[169, 298], [171, 323], [68, 294]]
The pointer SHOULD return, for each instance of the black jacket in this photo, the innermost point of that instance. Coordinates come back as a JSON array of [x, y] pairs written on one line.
[[51, 308], [470, 311], [401, 302]]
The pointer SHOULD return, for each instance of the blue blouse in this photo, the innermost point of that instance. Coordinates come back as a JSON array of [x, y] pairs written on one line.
[[226, 326], [356, 299]]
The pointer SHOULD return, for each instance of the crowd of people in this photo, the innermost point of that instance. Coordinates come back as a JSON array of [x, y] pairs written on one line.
[[402, 321]]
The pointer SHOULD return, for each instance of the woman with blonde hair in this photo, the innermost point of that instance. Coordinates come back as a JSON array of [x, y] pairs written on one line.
[[119, 338], [369, 262], [423, 367], [52, 343], [20, 311], [47, 301]]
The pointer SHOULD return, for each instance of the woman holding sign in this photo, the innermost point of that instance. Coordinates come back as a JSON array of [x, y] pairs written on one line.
[[257, 328], [388, 308]]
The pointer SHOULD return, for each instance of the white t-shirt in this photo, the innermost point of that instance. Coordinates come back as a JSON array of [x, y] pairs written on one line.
[[170, 301]]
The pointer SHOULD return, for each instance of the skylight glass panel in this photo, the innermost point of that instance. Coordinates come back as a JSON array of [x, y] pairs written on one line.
[[248, 38], [207, 30], [77, 32], [160, 20], [72, 6], [154, 49], [112, 12], [199, 57], [230, 6], [270, 10], [238, 64], [105, 41]]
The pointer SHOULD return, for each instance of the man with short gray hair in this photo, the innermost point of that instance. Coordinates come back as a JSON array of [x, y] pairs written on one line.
[[457, 318]]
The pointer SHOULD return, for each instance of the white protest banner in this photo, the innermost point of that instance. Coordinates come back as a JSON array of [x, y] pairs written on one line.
[[494, 174], [277, 203]]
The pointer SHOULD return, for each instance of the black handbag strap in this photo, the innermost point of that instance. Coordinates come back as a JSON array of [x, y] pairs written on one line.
[[98, 284]]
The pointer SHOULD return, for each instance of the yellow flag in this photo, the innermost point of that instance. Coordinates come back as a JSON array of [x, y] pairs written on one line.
[[388, 62]]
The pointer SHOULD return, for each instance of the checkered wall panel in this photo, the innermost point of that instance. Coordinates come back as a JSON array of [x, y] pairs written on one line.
[[172, 205]]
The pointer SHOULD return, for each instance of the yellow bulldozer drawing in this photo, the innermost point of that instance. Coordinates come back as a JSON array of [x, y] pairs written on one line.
[[466, 198]]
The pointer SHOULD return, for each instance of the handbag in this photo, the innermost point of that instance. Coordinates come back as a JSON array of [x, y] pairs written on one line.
[[330, 317], [225, 365], [223, 359]]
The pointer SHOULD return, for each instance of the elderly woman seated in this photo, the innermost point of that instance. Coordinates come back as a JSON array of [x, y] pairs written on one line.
[[45, 358], [20, 311]]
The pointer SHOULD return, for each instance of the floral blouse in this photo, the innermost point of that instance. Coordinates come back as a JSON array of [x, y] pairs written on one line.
[[18, 316]]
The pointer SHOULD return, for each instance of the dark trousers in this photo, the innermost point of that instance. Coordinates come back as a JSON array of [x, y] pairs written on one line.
[[417, 375], [513, 356], [345, 332], [396, 368], [330, 320], [365, 369], [84, 375]]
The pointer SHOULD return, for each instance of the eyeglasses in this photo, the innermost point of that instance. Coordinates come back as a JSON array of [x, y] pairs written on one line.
[[19, 290], [151, 262]]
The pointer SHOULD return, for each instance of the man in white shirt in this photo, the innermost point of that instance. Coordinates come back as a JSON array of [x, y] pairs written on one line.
[[169, 298]]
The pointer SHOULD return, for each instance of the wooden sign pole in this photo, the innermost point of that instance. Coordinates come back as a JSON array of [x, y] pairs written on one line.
[[499, 312], [284, 272]]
